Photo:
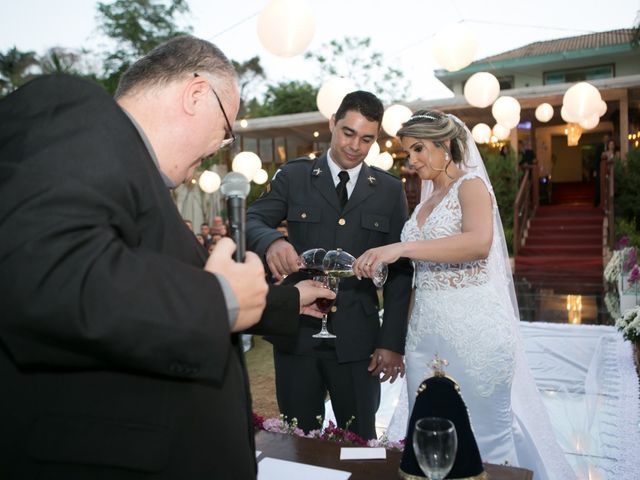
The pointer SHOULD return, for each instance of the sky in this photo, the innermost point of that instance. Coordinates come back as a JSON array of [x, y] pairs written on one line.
[[402, 30]]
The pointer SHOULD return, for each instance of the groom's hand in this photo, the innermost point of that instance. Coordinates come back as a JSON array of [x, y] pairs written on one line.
[[386, 363]]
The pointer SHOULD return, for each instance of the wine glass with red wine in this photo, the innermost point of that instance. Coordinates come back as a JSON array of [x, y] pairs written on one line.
[[325, 304], [310, 261]]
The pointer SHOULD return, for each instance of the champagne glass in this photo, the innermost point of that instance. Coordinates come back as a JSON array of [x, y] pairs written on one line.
[[435, 443], [325, 304], [338, 263], [310, 261]]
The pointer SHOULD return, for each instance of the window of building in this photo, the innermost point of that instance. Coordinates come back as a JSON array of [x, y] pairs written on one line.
[[506, 82], [579, 74]]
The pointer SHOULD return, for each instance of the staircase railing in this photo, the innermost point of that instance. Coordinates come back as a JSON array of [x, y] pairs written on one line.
[[607, 187], [526, 202]]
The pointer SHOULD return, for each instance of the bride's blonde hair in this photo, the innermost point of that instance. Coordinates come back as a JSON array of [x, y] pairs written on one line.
[[437, 127]]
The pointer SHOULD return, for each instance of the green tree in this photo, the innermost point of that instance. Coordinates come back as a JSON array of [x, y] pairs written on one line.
[[137, 26], [284, 98], [250, 72], [60, 60], [15, 67], [356, 59]]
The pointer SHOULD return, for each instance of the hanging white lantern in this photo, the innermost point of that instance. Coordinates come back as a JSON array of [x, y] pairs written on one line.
[[602, 108], [482, 89], [372, 157], [566, 116], [506, 111], [331, 94], [246, 163], [582, 100], [544, 112], [481, 133], [209, 181], [286, 27], [385, 161], [500, 132], [261, 176], [393, 118], [454, 47], [590, 122]]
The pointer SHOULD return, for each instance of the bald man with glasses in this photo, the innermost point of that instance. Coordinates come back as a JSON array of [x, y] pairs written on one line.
[[119, 351]]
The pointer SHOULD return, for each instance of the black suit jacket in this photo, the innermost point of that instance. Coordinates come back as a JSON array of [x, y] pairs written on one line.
[[116, 355], [304, 194]]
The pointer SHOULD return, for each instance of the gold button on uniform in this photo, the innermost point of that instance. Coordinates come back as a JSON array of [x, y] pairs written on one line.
[[342, 221], [303, 215], [334, 309]]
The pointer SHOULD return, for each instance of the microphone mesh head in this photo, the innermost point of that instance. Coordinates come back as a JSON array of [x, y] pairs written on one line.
[[235, 184]]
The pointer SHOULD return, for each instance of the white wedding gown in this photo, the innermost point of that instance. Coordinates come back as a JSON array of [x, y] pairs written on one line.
[[459, 315]]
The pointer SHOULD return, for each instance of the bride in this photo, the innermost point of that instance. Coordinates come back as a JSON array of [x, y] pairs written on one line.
[[464, 308]]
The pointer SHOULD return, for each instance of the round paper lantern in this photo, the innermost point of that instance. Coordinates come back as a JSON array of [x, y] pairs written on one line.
[[385, 161], [261, 176], [393, 118], [590, 122], [246, 163], [582, 100], [286, 27], [481, 133], [602, 108], [372, 157], [331, 94], [500, 132], [566, 116], [506, 111], [544, 112], [482, 89], [209, 181], [454, 47]]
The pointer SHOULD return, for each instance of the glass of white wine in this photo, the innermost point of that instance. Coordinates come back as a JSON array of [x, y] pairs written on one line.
[[338, 263]]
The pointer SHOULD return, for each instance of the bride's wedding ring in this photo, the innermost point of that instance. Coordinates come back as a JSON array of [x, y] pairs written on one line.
[[368, 264]]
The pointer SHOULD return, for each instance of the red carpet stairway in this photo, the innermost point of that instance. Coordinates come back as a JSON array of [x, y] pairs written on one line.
[[563, 249]]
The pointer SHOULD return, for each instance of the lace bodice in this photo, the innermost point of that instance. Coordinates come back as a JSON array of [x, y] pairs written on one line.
[[444, 221]]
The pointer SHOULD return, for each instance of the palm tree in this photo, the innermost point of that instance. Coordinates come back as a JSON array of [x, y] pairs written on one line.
[[14, 69]]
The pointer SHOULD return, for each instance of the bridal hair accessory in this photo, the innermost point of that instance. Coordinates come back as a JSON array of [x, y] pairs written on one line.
[[422, 115]]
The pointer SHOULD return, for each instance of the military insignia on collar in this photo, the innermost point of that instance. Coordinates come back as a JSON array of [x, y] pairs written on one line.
[[372, 180], [316, 172]]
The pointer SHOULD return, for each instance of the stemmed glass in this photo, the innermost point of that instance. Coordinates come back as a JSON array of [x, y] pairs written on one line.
[[325, 304], [435, 443], [310, 261], [338, 263]]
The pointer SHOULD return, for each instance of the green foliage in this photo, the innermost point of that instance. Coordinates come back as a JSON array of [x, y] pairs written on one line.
[[249, 73], [137, 26], [504, 179], [626, 198], [14, 69], [627, 187], [285, 98], [354, 58]]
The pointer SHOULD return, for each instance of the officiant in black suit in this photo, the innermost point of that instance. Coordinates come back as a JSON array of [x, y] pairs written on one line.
[[118, 352], [338, 201]]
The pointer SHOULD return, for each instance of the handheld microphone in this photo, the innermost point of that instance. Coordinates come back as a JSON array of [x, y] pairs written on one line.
[[235, 188]]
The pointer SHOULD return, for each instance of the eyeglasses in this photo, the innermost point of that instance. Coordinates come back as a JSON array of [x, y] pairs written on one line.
[[229, 137]]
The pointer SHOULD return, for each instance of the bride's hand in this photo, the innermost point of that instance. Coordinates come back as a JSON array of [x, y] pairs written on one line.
[[367, 263]]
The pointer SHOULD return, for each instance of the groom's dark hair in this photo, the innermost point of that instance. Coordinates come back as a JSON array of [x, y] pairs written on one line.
[[366, 103]]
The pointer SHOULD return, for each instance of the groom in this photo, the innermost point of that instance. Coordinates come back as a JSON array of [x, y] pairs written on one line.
[[338, 202]]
